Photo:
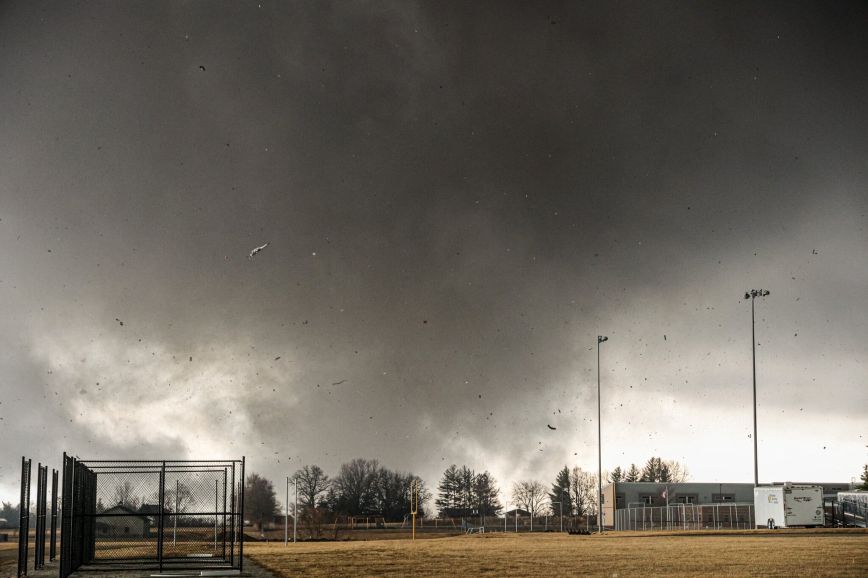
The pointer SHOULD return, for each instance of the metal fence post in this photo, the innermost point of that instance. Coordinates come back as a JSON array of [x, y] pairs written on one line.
[[24, 517], [241, 544], [52, 546], [162, 495], [224, 513], [233, 519], [39, 544]]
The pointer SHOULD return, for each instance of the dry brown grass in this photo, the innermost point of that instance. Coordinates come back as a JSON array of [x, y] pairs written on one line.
[[8, 558], [781, 553]]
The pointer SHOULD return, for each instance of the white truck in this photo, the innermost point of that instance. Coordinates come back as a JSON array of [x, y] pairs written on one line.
[[788, 505]]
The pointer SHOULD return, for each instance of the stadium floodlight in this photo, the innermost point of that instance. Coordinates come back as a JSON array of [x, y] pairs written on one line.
[[600, 339], [752, 295]]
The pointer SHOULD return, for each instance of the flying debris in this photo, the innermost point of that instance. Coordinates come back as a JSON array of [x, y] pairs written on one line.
[[550, 427], [201, 67], [119, 321], [339, 382], [257, 250], [664, 337]]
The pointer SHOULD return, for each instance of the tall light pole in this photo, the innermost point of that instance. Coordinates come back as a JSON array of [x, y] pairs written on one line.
[[600, 339], [752, 295]]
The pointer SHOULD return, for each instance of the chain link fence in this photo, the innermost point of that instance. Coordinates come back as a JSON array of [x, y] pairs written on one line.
[[729, 516], [153, 515], [24, 517]]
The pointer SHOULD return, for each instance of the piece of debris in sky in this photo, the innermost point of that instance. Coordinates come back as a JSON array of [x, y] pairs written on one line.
[[276, 358], [664, 337], [201, 67], [119, 321], [257, 250], [339, 382], [550, 427]]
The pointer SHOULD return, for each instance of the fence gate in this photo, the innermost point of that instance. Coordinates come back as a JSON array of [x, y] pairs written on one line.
[[152, 514]]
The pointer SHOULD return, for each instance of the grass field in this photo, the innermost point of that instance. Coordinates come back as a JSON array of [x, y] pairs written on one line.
[[8, 558], [749, 553]]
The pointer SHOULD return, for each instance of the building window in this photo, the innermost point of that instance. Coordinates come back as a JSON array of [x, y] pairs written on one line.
[[619, 501], [647, 499], [717, 498], [686, 499], [126, 529]]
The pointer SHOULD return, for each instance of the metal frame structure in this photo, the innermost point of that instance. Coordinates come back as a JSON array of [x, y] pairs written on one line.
[[24, 517], [152, 515], [52, 549], [726, 515], [41, 512]]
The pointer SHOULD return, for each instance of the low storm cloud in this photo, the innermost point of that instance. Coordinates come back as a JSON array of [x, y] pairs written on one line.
[[456, 200]]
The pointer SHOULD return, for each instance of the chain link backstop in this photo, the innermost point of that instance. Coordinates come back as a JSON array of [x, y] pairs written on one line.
[[686, 517], [152, 514]]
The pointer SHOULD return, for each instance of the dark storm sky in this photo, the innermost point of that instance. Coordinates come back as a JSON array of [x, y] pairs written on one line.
[[457, 199]]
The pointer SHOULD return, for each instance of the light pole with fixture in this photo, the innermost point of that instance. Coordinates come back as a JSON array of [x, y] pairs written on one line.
[[600, 339], [752, 295], [561, 504]]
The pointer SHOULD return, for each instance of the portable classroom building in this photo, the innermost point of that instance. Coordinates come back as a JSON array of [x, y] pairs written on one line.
[[788, 505]]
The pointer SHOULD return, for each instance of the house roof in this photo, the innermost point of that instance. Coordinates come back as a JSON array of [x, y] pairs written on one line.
[[149, 509], [121, 509]]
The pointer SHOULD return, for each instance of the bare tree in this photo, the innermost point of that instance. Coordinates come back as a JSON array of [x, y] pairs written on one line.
[[175, 500], [124, 496], [353, 490], [312, 485], [678, 473], [583, 491], [530, 495]]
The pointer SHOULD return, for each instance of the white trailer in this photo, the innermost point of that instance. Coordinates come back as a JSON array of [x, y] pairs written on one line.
[[788, 505]]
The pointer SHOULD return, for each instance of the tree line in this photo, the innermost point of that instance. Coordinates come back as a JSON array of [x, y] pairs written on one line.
[[655, 470], [363, 487]]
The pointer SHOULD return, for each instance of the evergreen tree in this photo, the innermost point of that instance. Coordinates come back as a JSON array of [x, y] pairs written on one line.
[[466, 479], [632, 474], [656, 470], [561, 493], [485, 495], [617, 475], [864, 478], [447, 500], [11, 514]]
